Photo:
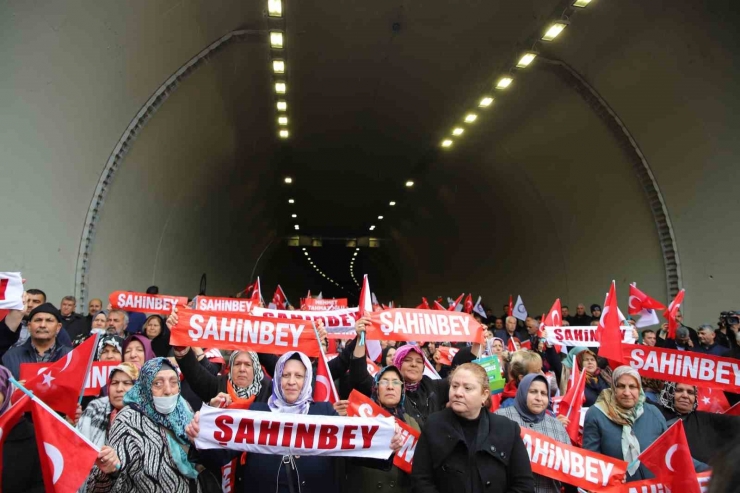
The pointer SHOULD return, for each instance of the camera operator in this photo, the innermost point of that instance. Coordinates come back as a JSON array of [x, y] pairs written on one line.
[[729, 324]]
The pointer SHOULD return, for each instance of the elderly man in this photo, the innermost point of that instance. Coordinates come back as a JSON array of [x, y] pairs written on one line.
[[42, 346], [14, 327], [510, 330], [581, 318], [117, 323]]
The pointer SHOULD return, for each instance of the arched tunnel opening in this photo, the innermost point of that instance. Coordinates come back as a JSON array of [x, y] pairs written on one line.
[[143, 144]]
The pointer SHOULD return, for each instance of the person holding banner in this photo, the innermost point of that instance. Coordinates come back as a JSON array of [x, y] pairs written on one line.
[[467, 448], [620, 425], [706, 433], [262, 473], [374, 476], [530, 410], [148, 447]]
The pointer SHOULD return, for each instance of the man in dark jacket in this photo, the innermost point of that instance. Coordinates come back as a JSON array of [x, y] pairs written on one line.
[[581, 318], [510, 331], [707, 343], [14, 327], [42, 346]]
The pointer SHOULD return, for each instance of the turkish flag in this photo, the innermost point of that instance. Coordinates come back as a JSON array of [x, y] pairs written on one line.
[[671, 312], [366, 301], [438, 305], [324, 390], [257, 293], [639, 301], [446, 354], [712, 400], [608, 334], [453, 306], [572, 401], [66, 456], [9, 419], [511, 306], [279, 298], [468, 305], [424, 305], [511, 346], [554, 317], [61, 384], [669, 458]]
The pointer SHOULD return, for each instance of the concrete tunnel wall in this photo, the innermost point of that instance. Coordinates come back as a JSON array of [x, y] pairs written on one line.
[[541, 202]]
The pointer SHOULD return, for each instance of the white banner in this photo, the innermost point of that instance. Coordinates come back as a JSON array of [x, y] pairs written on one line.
[[295, 434], [581, 336], [11, 291], [335, 321]]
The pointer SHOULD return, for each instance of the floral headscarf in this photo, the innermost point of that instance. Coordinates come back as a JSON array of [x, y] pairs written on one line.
[[277, 400], [109, 340], [668, 397], [399, 410], [256, 385], [5, 388]]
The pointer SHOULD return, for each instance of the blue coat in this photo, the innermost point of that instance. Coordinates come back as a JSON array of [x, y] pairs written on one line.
[[264, 473], [602, 435]]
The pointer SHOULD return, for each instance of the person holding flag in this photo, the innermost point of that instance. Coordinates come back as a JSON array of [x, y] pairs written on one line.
[[148, 446], [595, 382], [620, 425], [530, 411]]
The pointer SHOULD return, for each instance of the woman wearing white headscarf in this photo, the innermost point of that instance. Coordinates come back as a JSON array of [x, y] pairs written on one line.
[[620, 425]]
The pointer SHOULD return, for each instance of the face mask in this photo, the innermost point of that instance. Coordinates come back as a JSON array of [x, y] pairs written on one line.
[[165, 405], [98, 331]]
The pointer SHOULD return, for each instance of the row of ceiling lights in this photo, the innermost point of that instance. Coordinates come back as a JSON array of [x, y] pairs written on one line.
[[279, 69], [319, 271], [526, 58]]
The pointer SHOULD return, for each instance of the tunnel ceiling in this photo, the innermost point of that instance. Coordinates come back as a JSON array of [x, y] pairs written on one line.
[[539, 196]]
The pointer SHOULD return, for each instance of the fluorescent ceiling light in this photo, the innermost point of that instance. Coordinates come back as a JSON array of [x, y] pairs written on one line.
[[471, 117], [409, 184], [282, 106], [284, 134], [280, 87], [581, 3], [276, 39], [282, 120], [458, 131], [275, 8], [391, 203], [526, 59], [297, 227], [294, 216], [288, 179], [372, 227], [380, 217], [553, 31], [305, 253], [357, 249], [504, 82], [445, 143], [304, 249], [291, 201], [485, 102], [278, 66]]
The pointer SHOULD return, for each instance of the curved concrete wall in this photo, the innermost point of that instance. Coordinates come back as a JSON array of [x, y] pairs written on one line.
[[537, 199]]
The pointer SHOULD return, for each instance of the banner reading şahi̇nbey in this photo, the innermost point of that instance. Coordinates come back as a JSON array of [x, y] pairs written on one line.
[[405, 324]]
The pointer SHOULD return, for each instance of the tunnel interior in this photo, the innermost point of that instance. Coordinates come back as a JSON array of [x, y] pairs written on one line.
[[141, 145]]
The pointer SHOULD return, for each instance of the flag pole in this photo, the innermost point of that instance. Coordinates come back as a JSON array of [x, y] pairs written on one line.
[[324, 362], [89, 365], [41, 403]]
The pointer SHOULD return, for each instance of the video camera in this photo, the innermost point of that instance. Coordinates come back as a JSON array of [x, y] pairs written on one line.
[[729, 318]]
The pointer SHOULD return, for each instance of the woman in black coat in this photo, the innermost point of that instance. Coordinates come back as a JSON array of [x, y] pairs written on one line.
[[467, 449]]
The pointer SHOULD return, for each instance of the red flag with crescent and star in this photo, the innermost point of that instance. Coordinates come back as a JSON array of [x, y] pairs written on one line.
[[639, 301], [61, 383], [324, 390], [66, 456], [608, 333], [468, 304], [9, 419], [671, 312], [424, 304], [669, 458]]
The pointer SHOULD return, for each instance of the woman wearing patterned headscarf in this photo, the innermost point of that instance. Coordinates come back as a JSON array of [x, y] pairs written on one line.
[[530, 411], [244, 383], [620, 425], [706, 432], [148, 447]]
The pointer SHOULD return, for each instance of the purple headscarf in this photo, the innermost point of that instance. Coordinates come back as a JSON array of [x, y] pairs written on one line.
[[5, 388], [401, 353], [148, 353], [277, 401]]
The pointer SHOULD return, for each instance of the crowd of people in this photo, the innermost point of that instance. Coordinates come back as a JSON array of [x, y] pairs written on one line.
[[146, 419]]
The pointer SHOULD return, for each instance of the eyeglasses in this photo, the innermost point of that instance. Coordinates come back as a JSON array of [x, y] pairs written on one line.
[[388, 383]]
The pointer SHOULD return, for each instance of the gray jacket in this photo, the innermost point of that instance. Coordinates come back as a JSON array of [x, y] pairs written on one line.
[[602, 435]]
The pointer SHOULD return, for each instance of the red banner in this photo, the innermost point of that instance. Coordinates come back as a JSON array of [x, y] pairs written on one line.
[[405, 324], [656, 486], [145, 303], [698, 369], [97, 377], [224, 305], [579, 467], [321, 305], [362, 406], [243, 332]]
